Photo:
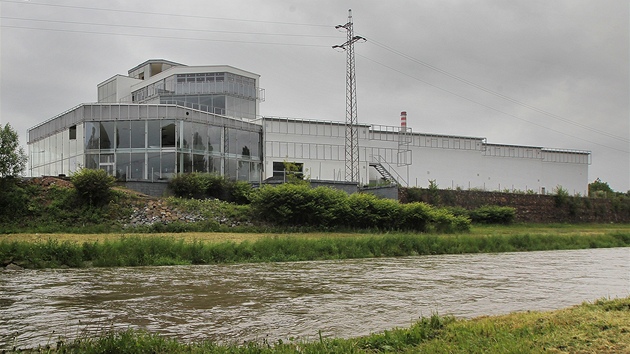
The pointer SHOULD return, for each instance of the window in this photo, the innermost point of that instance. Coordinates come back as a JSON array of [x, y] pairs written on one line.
[[107, 135], [73, 132], [168, 134], [283, 169]]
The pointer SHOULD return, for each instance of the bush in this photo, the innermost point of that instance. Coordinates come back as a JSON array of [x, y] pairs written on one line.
[[240, 192], [300, 205], [215, 186], [492, 214], [443, 221], [93, 186], [188, 185], [416, 216], [210, 185], [561, 196], [370, 212], [598, 188]]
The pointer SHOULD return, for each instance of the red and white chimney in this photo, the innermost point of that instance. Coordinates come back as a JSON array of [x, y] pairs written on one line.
[[403, 119]]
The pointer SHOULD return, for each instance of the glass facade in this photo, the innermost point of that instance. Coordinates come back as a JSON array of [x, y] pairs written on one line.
[[220, 93], [136, 142]]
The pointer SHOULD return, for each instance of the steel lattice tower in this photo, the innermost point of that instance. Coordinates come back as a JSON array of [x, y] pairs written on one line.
[[352, 130]]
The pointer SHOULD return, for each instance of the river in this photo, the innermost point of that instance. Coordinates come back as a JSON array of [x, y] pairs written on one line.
[[297, 299]]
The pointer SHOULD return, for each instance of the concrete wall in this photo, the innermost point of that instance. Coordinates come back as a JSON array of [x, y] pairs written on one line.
[[154, 189], [387, 192]]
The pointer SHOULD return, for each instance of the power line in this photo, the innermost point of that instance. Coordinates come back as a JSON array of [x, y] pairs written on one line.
[[166, 37], [166, 28], [490, 107], [500, 95], [159, 13], [381, 45]]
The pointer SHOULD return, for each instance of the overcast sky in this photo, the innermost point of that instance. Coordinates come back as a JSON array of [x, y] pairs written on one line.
[[546, 73]]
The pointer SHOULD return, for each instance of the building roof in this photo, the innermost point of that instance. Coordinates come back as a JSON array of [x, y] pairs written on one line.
[[154, 61]]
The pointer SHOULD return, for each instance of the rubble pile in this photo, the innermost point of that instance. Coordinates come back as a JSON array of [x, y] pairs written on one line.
[[157, 211], [49, 181]]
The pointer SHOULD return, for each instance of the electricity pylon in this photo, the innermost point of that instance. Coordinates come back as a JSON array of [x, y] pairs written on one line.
[[352, 130]]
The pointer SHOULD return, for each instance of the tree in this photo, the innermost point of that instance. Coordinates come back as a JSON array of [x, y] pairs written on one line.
[[93, 186], [12, 156], [599, 188]]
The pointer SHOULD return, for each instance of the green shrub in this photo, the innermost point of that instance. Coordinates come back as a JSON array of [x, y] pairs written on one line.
[[323, 207], [434, 193], [416, 216], [367, 211], [188, 185], [458, 211], [215, 186], [240, 192], [561, 196], [599, 188], [299, 205], [93, 186], [492, 214], [445, 222], [210, 185]]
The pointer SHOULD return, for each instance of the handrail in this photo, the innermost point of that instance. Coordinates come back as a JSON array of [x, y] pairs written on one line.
[[379, 159]]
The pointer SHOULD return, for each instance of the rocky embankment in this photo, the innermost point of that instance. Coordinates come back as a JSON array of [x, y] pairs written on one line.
[[157, 211]]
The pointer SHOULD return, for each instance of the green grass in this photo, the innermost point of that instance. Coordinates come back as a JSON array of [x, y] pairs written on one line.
[[598, 327], [171, 250]]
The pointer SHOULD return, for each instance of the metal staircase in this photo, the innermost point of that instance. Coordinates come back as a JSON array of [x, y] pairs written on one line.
[[385, 172]]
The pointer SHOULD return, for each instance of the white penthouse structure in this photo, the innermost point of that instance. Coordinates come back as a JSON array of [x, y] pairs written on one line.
[[165, 118]]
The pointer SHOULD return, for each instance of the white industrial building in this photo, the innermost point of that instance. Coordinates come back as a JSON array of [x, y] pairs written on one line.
[[165, 118]]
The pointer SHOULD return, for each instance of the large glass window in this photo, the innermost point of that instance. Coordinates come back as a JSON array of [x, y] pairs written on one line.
[[218, 104], [214, 139], [199, 163], [92, 135], [186, 136], [200, 137], [233, 145], [91, 161], [168, 164], [184, 163], [107, 135], [231, 169], [123, 133], [153, 165], [255, 173], [137, 166], [249, 144], [122, 166], [214, 165], [137, 134], [243, 170], [154, 134], [168, 133]]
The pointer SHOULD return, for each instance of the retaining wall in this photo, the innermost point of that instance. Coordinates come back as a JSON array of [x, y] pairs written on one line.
[[530, 207]]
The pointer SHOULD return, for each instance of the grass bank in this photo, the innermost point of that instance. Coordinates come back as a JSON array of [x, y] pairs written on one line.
[[598, 327], [146, 250]]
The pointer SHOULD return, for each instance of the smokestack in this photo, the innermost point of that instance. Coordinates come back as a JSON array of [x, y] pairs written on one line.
[[403, 119]]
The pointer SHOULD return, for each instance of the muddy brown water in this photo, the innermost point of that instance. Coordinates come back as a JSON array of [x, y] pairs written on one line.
[[234, 303]]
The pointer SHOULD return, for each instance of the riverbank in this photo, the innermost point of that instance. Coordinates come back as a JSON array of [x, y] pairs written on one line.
[[111, 250], [598, 327]]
